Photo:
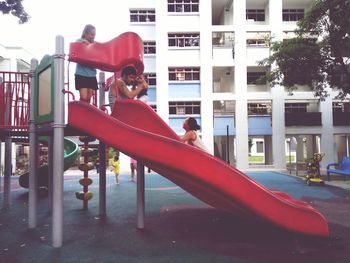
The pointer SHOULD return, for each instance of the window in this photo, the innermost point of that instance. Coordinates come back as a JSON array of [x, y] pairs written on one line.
[[183, 40], [151, 79], [252, 77], [183, 6], [259, 147], [295, 107], [255, 14], [149, 47], [259, 108], [144, 15], [293, 14], [223, 39], [341, 107], [224, 107], [257, 43], [184, 108], [183, 74]]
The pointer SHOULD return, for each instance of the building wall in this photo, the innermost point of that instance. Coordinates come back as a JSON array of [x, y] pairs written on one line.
[[223, 78], [236, 61]]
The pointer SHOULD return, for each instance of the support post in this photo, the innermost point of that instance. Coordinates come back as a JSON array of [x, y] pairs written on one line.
[[0, 160], [102, 153], [50, 169], [8, 171], [8, 151], [290, 157], [140, 195], [102, 183], [58, 137], [228, 144], [33, 162], [1, 169]]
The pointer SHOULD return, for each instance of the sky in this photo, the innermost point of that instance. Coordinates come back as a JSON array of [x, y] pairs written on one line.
[[66, 18]]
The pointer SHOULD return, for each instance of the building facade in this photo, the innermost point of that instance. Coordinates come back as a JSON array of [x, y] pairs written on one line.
[[15, 59], [201, 59]]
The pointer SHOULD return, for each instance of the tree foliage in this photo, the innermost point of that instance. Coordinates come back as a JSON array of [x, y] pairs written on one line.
[[14, 7], [319, 55]]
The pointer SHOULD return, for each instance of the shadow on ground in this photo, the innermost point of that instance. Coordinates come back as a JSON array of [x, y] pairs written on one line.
[[179, 228]]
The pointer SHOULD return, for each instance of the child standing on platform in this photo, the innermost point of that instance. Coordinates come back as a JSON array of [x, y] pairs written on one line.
[[116, 168], [85, 77]]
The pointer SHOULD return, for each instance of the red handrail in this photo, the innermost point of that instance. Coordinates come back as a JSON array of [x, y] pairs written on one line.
[[14, 99]]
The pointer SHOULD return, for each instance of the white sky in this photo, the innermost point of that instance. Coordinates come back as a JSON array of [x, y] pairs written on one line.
[[66, 18]]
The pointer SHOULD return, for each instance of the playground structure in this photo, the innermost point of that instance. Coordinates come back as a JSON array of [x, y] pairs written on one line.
[[231, 190], [86, 166], [71, 150]]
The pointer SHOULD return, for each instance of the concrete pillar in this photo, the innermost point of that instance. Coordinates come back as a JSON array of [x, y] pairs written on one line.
[[278, 127], [268, 150], [206, 75], [327, 132], [161, 63], [241, 118]]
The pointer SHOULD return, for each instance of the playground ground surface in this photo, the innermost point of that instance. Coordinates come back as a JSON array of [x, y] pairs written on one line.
[[178, 227]]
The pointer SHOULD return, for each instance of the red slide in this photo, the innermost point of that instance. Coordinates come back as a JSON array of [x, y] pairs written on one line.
[[136, 130], [125, 49]]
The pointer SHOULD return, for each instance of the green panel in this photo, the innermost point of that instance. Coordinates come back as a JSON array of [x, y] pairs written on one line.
[[44, 91]]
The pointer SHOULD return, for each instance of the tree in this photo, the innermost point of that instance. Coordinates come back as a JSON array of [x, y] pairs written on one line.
[[14, 7], [319, 54]]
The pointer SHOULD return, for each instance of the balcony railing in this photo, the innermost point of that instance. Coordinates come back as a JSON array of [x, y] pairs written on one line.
[[14, 99], [303, 119], [341, 118]]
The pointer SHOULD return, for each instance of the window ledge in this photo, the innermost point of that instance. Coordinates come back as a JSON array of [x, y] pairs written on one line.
[[183, 14], [143, 23]]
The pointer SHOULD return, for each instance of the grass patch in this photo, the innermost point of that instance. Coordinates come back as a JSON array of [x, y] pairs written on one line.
[[256, 159]]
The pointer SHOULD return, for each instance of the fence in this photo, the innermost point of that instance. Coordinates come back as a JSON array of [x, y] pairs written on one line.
[[14, 100]]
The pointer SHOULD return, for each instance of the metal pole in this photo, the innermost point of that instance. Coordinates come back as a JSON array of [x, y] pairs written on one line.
[[347, 145], [290, 157], [58, 139], [1, 171], [228, 144], [8, 171], [8, 151], [102, 174], [101, 82], [33, 162], [50, 171], [140, 195], [102, 153], [0, 160], [296, 154]]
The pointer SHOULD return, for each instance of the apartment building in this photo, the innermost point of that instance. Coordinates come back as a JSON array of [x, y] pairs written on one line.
[[201, 59], [15, 59]]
